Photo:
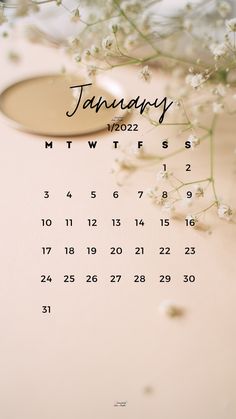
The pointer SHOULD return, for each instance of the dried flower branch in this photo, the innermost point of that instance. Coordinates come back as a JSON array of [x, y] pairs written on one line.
[[197, 44]]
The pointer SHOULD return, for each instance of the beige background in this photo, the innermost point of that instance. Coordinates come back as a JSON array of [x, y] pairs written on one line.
[[108, 342]]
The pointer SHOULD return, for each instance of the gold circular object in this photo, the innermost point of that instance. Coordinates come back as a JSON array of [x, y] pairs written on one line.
[[39, 105]]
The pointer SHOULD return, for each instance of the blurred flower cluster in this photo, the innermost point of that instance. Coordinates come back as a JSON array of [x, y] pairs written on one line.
[[196, 43]]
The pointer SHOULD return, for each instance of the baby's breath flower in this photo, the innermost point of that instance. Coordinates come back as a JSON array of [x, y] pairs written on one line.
[[217, 107], [73, 42], [135, 14], [164, 174], [95, 50], [155, 196], [75, 15], [86, 54], [176, 104], [145, 73], [195, 80], [91, 70], [231, 25], [78, 58], [194, 141], [218, 50], [153, 193], [224, 212], [124, 164], [199, 191], [159, 201], [114, 28], [107, 43], [224, 8]]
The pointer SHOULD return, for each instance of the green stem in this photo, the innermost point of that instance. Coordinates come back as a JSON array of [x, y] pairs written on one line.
[[145, 38], [212, 179], [206, 209]]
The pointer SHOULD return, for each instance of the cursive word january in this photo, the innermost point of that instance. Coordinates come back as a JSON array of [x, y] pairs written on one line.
[[98, 103]]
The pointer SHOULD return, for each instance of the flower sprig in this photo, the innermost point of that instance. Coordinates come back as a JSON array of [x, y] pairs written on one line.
[[196, 43]]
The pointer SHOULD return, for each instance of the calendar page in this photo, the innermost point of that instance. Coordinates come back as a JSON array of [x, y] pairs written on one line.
[[117, 212]]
